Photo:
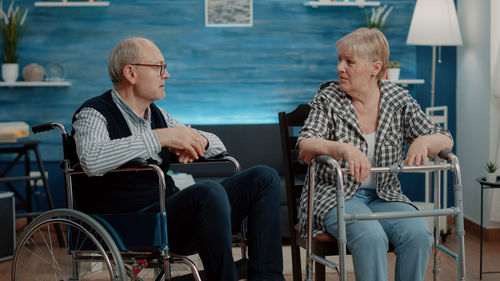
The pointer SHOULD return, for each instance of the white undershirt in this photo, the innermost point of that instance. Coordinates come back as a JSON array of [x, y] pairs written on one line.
[[371, 181]]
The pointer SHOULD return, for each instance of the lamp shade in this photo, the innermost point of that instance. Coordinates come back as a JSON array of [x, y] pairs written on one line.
[[434, 23]]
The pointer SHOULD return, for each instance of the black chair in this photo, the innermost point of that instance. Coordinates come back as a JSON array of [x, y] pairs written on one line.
[[104, 246], [295, 172]]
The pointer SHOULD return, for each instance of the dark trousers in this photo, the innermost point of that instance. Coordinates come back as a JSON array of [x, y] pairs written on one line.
[[200, 219]]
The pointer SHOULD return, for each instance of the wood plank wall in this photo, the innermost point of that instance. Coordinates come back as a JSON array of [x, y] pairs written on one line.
[[236, 75]]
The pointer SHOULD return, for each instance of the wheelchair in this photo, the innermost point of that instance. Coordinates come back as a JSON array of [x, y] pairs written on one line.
[[67, 244]]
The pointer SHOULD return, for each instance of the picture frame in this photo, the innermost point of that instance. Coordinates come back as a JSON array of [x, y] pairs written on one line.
[[228, 13]]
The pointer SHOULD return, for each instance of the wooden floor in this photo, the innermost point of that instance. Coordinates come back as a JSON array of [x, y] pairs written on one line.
[[491, 262]]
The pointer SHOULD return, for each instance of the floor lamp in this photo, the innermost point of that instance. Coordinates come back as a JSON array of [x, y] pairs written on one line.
[[434, 23]]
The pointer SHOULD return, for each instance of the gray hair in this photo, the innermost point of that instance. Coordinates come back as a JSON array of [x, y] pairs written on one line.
[[126, 52], [370, 44]]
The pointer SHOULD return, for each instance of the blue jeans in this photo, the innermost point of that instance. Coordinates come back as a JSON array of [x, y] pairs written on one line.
[[368, 240], [200, 219]]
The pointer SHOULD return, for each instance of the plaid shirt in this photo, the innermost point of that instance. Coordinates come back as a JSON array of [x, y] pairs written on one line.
[[333, 117]]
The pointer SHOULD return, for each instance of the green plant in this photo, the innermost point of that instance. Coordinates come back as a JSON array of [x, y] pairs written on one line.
[[491, 167], [394, 64], [378, 17], [12, 24]]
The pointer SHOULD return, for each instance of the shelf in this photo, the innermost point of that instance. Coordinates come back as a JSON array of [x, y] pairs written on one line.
[[406, 82], [360, 4], [36, 84], [71, 4], [409, 81]]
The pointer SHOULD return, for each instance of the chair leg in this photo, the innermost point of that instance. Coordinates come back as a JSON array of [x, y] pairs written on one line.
[[320, 271], [296, 262]]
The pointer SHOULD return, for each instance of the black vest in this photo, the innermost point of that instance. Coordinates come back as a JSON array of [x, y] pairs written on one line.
[[118, 192]]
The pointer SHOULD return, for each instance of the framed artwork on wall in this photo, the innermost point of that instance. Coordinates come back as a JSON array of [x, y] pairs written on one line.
[[228, 13]]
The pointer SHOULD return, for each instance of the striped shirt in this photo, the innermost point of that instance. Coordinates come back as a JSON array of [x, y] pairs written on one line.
[[333, 117], [98, 154]]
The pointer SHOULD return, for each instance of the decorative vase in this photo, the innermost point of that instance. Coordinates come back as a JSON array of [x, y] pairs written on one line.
[[10, 72], [491, 177], [393, 74], [33, 72]]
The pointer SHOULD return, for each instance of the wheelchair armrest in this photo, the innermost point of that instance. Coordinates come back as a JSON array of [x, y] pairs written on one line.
[[222, 157], [142, 165], [138, 163], [216, 157], [220, 165], [134, 163]]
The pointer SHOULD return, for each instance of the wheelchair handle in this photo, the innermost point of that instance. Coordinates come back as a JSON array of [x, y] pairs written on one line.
[[47, 127]]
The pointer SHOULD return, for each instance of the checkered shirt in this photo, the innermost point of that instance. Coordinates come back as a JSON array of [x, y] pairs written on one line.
[[333, 117]]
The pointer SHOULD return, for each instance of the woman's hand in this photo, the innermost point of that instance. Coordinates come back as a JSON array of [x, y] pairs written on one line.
[[427, 146], [359, 165], [312, 147], [418, 152]]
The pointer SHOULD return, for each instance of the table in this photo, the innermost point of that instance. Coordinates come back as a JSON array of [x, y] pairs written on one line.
[[484, 185], [22, 149]]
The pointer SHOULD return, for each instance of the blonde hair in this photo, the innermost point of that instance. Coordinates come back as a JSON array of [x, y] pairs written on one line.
[[370, 44]]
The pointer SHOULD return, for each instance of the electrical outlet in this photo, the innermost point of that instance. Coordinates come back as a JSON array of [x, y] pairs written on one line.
[[39, 182]]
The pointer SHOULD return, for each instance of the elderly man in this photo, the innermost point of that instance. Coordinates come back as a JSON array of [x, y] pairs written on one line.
[[124, 123]]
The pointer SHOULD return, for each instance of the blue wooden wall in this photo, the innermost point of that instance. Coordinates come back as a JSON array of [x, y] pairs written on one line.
[[237, 75], [218, 75]]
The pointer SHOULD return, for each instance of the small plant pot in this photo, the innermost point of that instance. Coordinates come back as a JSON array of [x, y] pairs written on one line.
[[491, 177], [10, 72], [393, 74]]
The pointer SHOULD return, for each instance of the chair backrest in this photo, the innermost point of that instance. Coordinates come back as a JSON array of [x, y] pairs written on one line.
[[438, 114], [295, 170]]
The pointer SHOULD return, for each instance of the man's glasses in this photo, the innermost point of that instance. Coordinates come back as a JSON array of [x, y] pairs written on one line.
[[162, 67]]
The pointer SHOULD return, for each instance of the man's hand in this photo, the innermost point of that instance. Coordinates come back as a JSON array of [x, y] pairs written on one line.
[[418, 152], [185, 142], [183, 156]]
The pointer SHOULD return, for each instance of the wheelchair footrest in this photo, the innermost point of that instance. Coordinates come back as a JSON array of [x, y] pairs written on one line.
[[241, 269]]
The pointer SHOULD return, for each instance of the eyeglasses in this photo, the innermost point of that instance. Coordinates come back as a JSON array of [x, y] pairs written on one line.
[[162, 67]]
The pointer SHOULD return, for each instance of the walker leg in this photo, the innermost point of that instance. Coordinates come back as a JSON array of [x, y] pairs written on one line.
[[437, 227]]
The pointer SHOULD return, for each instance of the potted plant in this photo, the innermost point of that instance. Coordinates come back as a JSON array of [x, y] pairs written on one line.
[[491, 168], [378, 17], [12, 23], [393, 69]]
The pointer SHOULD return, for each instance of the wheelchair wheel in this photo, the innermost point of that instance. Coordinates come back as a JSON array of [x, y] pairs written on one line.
[[87, 252]]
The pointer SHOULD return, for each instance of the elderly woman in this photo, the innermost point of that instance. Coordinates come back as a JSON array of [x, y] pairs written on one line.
[[363, 121]]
